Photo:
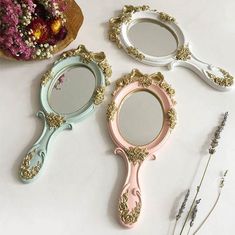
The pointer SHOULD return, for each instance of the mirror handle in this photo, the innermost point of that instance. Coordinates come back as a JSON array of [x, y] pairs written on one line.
[[216, 77], [33, 162], [130, 202]]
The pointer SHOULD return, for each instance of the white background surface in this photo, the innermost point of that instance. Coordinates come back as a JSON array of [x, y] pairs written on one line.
[[79, 190]]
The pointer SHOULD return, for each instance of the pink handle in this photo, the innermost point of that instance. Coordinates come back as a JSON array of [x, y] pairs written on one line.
[[130, 200]]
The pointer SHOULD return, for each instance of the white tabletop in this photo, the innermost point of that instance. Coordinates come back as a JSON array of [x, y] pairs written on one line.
[[79, 190]]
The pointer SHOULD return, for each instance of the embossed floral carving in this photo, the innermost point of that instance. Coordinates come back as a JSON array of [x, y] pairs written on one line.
[[136, 154], [165, 17], [54, 120], [99, 96], [135, 53], [46, 77], [28, 172], [128, 216], [125, 17], [226, 81], [183, 53], [112, 109], [172, 118]]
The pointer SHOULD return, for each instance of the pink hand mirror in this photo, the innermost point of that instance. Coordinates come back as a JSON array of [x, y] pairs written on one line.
[[140, 118]]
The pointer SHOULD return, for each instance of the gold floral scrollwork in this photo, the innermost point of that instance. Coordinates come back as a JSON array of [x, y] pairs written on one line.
[[125, 17], [226, 81], [145, 81], [80, 51], [128, 217], [27, 172], [46, 77], [87, 57], [112, 109], [172, 118], [183, 53], [123, 81], [135, 53], [106, 68], [169, 90], [136, 154], [54, 120], [166, 18], [99, 95]]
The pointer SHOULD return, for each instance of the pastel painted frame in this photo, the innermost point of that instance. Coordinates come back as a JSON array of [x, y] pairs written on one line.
[[54, 122], [183, 56], [130, 202]]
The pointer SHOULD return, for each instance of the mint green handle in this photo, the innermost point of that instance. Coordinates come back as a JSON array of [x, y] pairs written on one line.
[[33, 162]]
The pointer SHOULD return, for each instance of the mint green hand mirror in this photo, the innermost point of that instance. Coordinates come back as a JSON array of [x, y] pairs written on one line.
[[70, 90]]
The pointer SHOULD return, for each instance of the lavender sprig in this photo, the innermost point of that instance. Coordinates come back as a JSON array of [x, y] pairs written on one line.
[[212, 150], [215, 140], [183, 205], [194, 212], [193, 215], [181, 209], [221, 185]]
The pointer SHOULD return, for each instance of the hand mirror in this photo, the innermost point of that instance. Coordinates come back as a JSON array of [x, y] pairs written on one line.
[[140, 118], [70, 90], [156, 39]]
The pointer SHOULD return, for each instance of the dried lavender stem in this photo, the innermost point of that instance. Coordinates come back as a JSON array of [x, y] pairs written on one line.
[[195, 197], [189, 230], [214, 205], [181, 210], [212, 148], [204, 221], [176, 221]]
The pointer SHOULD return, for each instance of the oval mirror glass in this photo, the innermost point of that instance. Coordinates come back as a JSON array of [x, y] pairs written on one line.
[[72, 90], [140, 118], [152, 38]]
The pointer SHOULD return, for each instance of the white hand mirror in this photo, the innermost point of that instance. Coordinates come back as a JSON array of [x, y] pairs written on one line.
[[156, 39], [140, 118], [69, 92]]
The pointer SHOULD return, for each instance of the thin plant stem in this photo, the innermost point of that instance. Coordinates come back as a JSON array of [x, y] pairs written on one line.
[[215, 203], [197, 192], [176, 221], [212, 209], [189, 230]]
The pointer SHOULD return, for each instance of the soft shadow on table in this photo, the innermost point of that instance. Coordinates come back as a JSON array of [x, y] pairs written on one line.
[[112, 205], [38, 126]]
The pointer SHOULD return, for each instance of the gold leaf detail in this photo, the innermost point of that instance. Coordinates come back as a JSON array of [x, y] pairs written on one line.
[[112, 109], [166, 18], [135, 53], [125, 17], [99, 96], [106, 68], [136, 154], [27, 172], [127, 216], [54, 120], [183, 53], [226, 81], [46, 77], [87, 57], [169, 90], [145, 81], [172, 118]]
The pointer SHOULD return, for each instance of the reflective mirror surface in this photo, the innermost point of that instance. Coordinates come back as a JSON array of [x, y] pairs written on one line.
[[152, 39], [140, 118], [72, 90]]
